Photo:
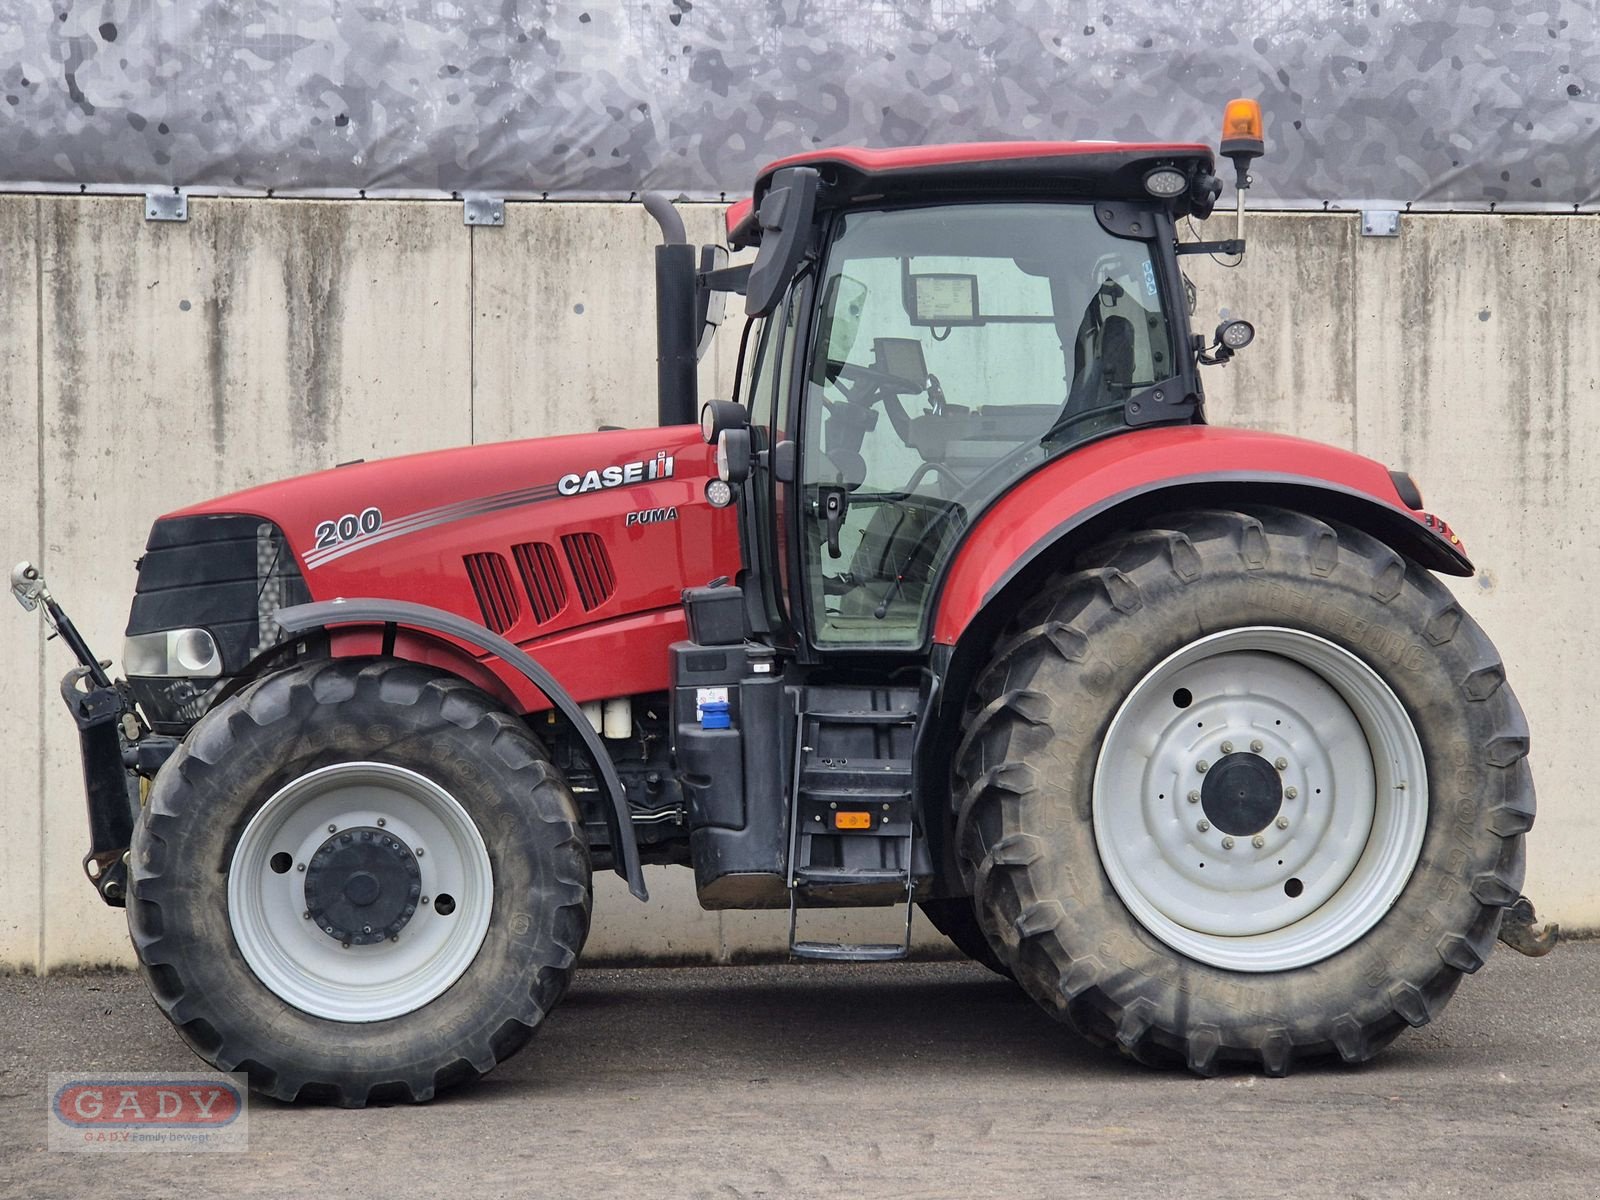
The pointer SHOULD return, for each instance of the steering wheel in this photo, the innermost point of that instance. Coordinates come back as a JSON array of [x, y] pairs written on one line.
[[860, 383]]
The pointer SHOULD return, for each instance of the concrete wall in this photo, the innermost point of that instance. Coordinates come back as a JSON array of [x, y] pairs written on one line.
[[143, 366]]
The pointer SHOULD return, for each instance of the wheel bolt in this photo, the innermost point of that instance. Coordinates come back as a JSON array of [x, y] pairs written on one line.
[[1202, 766], [1227, 747], [366, 929], [1258, 841], [333, 829], [1203, 826], [419, 851], [1283, 822], [1227, 843], [1281, 763], [1255, 746], [424, 899], [1291, 792], [306, 915], [381, 822], [1194, 797], [301, 867]]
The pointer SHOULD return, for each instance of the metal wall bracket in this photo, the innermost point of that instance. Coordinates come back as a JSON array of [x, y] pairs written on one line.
[[166, 206], [1380, 222], [478, 209]]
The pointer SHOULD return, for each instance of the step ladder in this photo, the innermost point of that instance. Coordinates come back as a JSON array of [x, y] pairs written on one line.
[[852, 827]]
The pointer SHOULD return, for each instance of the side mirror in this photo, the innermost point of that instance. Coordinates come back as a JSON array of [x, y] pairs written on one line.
[[710, 305], [785, 219]]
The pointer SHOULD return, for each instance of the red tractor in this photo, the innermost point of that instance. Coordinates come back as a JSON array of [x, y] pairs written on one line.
[[959, 604]]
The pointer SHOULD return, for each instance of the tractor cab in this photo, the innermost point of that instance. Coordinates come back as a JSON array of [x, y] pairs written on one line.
[[927, 327]]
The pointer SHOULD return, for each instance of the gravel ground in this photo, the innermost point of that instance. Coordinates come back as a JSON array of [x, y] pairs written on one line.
[[921, 1079]]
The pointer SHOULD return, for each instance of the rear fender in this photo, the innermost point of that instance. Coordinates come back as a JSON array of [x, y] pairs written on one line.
[[385, 622], [1109, 485]]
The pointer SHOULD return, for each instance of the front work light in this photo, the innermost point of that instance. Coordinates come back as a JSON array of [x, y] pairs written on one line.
[[1165, 182], [1236, 335], [717, 415]]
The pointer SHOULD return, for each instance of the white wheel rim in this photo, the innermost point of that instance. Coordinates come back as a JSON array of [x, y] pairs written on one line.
[[1333, 857], [319, 974]]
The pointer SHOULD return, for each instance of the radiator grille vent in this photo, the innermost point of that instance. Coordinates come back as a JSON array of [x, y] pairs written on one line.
[[541, 576], [492, 584], [591, 567]]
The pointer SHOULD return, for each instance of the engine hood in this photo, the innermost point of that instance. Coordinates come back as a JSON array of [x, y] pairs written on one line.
[[532, 538]]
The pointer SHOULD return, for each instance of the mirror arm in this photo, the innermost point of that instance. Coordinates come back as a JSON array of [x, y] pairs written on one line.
[[727, 279], [1230, 246]]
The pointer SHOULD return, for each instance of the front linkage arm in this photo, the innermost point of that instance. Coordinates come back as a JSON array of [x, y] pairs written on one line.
[[112, 740]]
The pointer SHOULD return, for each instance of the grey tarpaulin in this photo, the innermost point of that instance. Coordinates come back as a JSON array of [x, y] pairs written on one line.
[[1431, 102]]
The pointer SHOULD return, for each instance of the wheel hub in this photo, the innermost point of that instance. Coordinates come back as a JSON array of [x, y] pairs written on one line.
[[1242, 794], [362, 886], [1260, 798]]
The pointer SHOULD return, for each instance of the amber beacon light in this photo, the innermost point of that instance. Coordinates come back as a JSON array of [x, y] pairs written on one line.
[[1241, 130], [1241, 141]]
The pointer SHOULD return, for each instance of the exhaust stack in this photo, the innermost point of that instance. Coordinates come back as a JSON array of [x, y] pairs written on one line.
[[677, 331]]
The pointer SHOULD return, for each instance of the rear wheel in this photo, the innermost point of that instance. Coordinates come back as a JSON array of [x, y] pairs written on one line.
[[357, 881], [1245, 788]]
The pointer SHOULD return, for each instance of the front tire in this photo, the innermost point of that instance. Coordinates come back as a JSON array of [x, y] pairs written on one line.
[[358, 881], [1362, 823]]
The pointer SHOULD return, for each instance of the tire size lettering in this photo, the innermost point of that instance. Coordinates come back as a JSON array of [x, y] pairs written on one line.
[[348, 528]]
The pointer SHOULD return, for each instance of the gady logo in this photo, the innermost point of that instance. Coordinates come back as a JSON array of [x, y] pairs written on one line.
[[574, 484], [174, 1104]]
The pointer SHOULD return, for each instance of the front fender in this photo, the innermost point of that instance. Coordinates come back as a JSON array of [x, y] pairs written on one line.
[[1117, 480], [303, 618]]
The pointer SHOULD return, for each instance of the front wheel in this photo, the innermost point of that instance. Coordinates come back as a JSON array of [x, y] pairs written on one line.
[[358, 881], [1245, 788]]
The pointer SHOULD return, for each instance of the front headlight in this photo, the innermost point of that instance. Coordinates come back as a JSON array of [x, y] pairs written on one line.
[[185, 653]]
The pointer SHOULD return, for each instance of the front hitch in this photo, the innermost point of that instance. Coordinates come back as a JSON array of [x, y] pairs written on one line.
[[112, 739]]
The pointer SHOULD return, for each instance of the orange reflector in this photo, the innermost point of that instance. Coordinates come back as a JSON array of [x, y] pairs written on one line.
[[852, 820]]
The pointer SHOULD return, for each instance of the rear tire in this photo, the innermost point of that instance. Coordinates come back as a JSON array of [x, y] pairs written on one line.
[[291, 872], [1044, 814]]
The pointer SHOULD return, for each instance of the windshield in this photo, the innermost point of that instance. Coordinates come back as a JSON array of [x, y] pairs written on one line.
[[957, 346]]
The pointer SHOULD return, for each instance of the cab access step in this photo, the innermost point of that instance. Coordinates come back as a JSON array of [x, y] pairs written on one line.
[[852, 830]]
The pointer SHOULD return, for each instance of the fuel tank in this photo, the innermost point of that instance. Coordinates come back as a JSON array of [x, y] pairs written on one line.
[[576, 548]]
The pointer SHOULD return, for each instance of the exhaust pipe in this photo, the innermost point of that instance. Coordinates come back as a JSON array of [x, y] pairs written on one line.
[[677, 333]]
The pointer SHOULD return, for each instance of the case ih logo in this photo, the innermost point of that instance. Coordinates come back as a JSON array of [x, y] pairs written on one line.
[[180, 1105], [659, 467]]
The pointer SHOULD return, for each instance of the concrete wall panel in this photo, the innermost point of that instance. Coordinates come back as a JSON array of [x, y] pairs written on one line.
[[181, 361], [22, 648], [265, 338], [1464, 352]]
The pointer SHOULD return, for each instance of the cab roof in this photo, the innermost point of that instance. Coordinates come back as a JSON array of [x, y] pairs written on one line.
[[1079, 169]]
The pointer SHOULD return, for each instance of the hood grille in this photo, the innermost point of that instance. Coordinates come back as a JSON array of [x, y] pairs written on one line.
[[591, 567], [493, 586], [541, 578]]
